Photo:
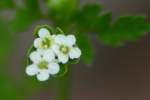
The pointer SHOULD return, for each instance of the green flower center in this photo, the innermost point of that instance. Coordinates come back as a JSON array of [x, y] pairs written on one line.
[[43, 65], [46, 43], [64, 49]]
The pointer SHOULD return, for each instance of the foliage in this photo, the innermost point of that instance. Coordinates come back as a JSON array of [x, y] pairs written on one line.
[[84, 22]]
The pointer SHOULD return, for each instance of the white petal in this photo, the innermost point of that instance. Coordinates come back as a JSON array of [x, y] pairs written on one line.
[[75, 52], [43, 32], [37, 42], [41, 51], [63, 58], [55, 48], [31, 70], [48, 55], [53, 68], [60, 39], [43, 75], [35, 56], [71, 40]]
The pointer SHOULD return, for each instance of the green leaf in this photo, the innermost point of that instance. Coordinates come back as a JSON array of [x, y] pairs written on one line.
[[103, 22], [86, 17], [5, 42], [86, 48], [32, 6], [125, 28], [23, 20], [65, 6], [8, 91], [92, 10], [25, 17], [60, 12], [6, 3]]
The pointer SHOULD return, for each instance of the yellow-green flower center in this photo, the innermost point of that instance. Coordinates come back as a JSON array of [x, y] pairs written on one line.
[[45, 43], [64, 49], [43, 65]]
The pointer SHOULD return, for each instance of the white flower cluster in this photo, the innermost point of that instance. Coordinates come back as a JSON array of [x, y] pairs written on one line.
[[51, 50]]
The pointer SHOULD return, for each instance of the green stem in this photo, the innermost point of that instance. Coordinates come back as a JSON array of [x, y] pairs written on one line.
[[63, 87]]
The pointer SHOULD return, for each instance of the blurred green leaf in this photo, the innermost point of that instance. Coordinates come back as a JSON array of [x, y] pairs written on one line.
[[6, 4], [60, 12], [32, 6], [125, 28], [86, 48], [62, 5], [23, 20], [86, 17], [5, 41], [8, 91], [102, 25], [25, 17]]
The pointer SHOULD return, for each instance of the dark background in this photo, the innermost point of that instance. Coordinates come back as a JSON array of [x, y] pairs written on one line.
[[121, 73]]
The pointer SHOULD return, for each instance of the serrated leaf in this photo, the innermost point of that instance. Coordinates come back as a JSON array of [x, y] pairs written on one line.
[[126, 28], [92, 9], [86, 48], [103, 22], [86, 17], [132, 27]]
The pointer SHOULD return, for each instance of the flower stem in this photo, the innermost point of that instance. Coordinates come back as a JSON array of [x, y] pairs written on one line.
[[63, 87]]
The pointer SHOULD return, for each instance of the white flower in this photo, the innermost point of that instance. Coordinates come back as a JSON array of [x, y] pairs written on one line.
[[43, 66], [65, 48], [45, 40]]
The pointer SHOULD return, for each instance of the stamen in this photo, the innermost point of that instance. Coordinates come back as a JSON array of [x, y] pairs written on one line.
[[64, 49], [43, 65]]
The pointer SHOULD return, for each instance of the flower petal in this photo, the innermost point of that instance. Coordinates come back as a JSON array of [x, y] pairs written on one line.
[[75, 52], [35, 56], [37, 42], [43, 32], [60, 39], [48, 55], [53, 68], [31, 70], [63, 58], [55, 49], [43, 75], [71, 40]]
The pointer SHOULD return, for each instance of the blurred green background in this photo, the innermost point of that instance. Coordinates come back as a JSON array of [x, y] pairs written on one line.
[[113, 37]]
